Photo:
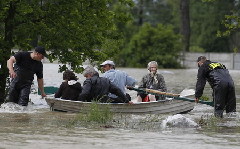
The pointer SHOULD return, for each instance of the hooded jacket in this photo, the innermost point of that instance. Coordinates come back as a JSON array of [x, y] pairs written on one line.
[[69, 90]]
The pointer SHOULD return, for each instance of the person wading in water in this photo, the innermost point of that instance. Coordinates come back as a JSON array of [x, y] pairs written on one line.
[[220, 81]]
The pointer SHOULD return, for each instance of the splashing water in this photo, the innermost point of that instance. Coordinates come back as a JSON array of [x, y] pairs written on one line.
[[11, 107], [38, 101], [35, 103], [178, 121]]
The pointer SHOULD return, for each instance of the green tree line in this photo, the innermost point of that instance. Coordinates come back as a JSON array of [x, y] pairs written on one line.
[[200, 26], [71, 30]]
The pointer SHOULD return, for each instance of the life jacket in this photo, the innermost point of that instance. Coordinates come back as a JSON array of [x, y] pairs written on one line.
[[212, 66]]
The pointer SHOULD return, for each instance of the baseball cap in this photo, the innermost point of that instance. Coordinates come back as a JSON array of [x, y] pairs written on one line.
[[41, 50], [107, 62]]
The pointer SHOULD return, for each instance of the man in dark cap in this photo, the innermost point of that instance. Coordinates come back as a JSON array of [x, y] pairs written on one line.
[[220, 81], [26, 65]]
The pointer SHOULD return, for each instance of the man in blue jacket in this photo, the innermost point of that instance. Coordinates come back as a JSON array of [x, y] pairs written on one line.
[[119, 78], [220, 81]]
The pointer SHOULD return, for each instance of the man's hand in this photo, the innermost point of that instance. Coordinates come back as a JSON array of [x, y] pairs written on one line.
[[129, 87], [196, 100], [44, 95], [130, 102], [12, 74]]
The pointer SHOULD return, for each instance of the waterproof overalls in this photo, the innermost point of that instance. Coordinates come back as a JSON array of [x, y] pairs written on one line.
[[20, 86], [222, 84]]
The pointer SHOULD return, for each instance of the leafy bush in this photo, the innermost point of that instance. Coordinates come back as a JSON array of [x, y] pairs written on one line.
[[99, 113], [150, 43]]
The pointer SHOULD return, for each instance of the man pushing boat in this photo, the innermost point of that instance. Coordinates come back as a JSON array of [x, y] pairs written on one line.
[[220, 81]]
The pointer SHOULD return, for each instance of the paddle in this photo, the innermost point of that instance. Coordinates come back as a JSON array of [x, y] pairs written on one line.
[[187, 92], [174, 96]]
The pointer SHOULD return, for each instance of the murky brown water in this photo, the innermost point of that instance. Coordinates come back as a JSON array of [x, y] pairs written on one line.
[[38, 127]]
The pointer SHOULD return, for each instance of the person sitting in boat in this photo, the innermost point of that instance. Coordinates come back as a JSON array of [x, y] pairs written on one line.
[[119, 78], [152, 80], [97, 88], [70, 88]]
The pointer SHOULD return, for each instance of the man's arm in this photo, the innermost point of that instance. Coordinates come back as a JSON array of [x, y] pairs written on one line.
[[86, 89], [58, 94], [201, 81], [130, 81], [41, 87], [115, 90], [162, 84], [10, 63]]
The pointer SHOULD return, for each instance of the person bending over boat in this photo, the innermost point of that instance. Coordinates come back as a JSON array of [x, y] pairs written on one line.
[[26, 65], [220, 81], [97, 88], [70, 88], [119, 78], [152, 80]]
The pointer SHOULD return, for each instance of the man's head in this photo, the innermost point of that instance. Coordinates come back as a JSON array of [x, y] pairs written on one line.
[[69, 75], [201, 60], [107, 65], [39, 53], [152, 67], [89, 71]]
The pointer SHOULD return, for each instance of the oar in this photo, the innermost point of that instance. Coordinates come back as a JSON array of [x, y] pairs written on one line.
[[187, 92], [174, 96], [210, 103], [161, 93]]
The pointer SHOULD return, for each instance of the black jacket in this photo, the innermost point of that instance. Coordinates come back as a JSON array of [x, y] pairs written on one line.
[[69, 92], [97, 88], [213, 72]]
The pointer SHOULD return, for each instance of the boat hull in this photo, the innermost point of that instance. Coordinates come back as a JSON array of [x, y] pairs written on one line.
[[156, 107]]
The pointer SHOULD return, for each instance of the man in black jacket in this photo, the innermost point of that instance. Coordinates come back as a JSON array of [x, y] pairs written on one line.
[[97, 88], [220, 81]]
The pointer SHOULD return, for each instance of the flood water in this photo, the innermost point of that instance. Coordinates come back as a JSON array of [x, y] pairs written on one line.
[[38, 127]]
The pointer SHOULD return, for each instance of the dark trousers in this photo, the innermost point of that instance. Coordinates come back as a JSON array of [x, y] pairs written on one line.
[[19, 93], [119, 100], [224, 98]]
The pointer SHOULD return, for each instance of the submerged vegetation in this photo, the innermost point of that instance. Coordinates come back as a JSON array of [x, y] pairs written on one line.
[[205, 98], [95, 114], [210, 124], [100, 116]]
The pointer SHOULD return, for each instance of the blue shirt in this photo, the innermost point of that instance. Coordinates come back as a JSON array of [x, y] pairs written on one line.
[[119, 78]]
